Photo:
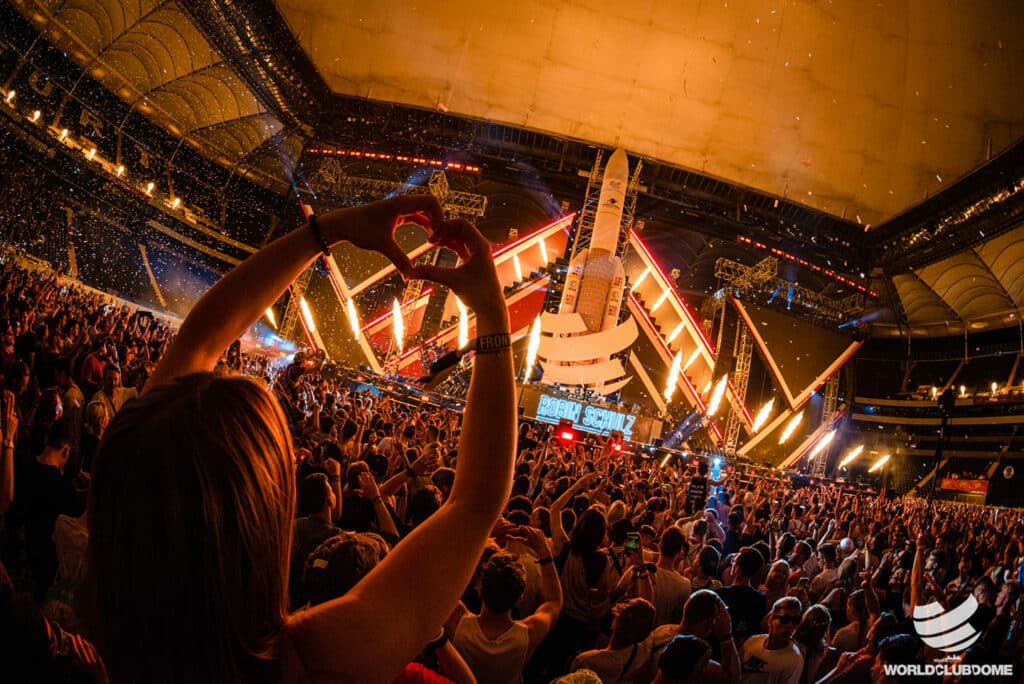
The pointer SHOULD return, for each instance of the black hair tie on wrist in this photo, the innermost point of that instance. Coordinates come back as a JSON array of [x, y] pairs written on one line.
[[313, 226]]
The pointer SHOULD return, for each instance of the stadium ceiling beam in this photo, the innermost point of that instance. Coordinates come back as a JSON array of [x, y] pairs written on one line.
[[938, 297], [988, 269]]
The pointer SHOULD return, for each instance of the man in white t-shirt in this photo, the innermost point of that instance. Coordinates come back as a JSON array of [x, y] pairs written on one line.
[[670, 588], [773, 658]]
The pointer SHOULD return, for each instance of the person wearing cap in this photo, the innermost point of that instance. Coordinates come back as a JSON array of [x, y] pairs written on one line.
[[774, 658], [685, 660], [624, 659]]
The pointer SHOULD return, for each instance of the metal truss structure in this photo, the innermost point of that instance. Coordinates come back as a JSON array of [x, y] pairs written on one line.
[[743, 351], [290, 319], [331, 179], [828, 414], [763, 278], [585, 226]]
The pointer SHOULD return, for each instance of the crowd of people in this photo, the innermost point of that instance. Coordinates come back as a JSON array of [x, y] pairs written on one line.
[[169, 517]]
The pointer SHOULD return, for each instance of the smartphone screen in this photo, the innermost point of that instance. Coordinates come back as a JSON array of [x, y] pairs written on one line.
[[632, 541]]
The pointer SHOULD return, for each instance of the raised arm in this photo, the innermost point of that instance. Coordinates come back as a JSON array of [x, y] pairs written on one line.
[[238, 299], [543, 619], [454, 537], [8, 435], [917, 593], [558, 536]]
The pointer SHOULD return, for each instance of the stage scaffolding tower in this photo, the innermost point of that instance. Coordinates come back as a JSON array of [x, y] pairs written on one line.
[[828, 413], [290, 319], [743, 350]]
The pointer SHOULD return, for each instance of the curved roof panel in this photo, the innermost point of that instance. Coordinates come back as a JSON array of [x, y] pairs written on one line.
[[857, 109], [151, 54]]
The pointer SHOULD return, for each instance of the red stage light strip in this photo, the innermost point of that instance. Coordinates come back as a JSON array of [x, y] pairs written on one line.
[[709, 349], [523, 242], [827, 271], [682, 376], [562, 221], [452, 331], [382, 156], [543, 231], [666, 284]]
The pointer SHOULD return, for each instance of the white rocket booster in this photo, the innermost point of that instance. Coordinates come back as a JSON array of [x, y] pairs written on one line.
[[595, 279], [585, 334]]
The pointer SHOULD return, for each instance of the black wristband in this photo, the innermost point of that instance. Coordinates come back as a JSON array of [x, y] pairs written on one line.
[[492, 344], [545, 561], [313, 226]]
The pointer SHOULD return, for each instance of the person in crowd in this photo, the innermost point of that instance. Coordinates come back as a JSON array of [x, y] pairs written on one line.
[[899, 649], [94, 424], [43, 492], [774, 657], [699, 487], [496, 646], [855, 666], [776, 583], [851, 637], [8, 441], [671, 589], [586, 579], [221, 448], [829, 571], [317, 499], [625, 657], [111, 394], [706, 616], [72, 399], [747, 605], [334, 567], [703, 573], [685, 660], [811, 637]]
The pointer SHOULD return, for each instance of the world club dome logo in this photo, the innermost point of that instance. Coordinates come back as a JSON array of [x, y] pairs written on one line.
[[951, 632], [948, 631]]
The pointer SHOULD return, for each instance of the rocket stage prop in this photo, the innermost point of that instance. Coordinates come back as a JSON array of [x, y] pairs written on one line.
[[579, 342]]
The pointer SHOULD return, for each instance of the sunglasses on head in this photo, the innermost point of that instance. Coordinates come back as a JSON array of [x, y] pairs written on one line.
[[787, 619]]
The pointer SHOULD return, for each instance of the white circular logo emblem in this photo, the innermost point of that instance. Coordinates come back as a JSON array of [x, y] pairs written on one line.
[[947, 630]]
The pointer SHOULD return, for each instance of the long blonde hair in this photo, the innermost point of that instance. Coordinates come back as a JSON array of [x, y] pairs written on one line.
[[190, 512]]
